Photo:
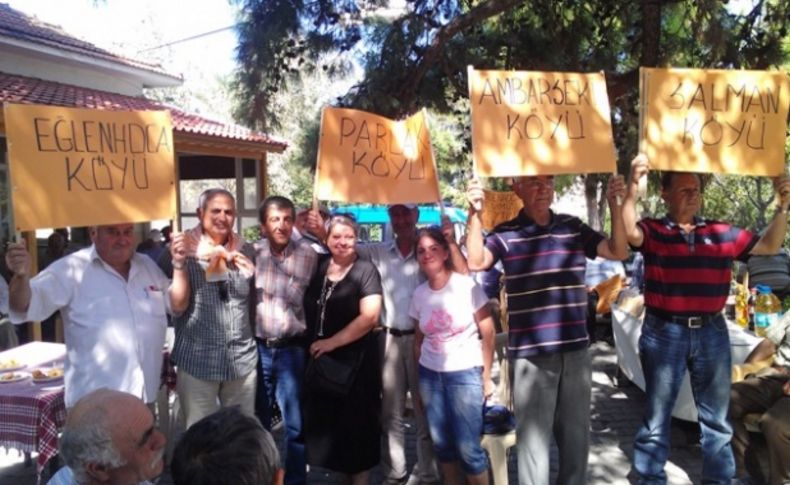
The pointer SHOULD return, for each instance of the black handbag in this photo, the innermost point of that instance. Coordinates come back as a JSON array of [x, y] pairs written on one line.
[[330, 375]]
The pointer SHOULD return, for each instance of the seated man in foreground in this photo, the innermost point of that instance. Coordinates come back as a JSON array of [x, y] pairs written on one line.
[[766, 392], [227, 447], [110, 438]]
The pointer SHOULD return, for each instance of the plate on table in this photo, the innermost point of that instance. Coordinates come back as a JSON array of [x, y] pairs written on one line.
[[47, 374], [9, 377], [9, 365]]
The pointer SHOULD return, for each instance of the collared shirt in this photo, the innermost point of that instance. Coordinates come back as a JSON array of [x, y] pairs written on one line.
[[280, 282], [65, 476], [400, 276], [544, 279], [690, 273], [779, 334], [214, 339], [114, 327]]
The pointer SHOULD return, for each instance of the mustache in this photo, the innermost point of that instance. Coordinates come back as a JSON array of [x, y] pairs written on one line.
[[157, 458]]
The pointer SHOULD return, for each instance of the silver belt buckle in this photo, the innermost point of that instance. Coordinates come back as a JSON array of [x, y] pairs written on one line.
[[695, 322]]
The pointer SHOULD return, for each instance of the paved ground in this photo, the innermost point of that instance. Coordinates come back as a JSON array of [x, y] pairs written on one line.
[[616, 412]]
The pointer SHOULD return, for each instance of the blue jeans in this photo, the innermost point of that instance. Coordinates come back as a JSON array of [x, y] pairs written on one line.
[[280, 376], [666, 351], [453, 403]]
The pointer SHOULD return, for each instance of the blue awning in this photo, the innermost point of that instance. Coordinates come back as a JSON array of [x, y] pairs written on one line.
[[378, 214]]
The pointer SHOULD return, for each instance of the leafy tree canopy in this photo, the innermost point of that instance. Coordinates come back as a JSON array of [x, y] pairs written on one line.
[[417, 56]]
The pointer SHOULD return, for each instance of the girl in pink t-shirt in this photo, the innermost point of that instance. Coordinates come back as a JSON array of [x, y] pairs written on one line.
[[454, 346]]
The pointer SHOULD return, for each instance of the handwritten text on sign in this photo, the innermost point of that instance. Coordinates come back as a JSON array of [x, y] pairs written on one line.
[[77, 167], [530, 123], [715, 121], [368, 158]]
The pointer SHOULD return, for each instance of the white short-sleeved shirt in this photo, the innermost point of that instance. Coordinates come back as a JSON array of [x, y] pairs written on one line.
[[114, 328], [400, 276], [779, 334], [447, 320]]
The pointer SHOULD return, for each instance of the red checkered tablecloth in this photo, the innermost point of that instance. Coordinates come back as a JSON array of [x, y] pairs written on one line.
[[31, 414]]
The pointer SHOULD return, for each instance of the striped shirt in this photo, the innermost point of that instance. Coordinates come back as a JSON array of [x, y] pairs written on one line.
[[214, 339], [690, 273], [280, 281], [544, 279]]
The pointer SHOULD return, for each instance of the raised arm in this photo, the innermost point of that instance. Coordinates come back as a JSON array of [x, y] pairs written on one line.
[[18, 261], [639, 168], [615, 247], [477, 256], [179, 288], [774, 235]]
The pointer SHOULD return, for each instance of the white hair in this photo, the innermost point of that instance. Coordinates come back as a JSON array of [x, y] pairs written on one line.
[[91, 442]]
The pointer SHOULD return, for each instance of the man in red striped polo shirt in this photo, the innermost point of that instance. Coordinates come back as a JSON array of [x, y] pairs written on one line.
[[688, 267]]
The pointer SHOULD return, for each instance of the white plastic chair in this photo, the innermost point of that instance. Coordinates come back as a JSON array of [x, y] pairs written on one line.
[[498, 445]]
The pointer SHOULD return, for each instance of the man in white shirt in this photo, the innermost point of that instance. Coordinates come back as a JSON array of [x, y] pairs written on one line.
[[113, 304], [110, 438]]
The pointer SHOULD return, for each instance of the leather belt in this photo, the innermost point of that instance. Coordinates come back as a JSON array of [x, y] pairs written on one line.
[[398, 333], [690, 321], [280, 342]]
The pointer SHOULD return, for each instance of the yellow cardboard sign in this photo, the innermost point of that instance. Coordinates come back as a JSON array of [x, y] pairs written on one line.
[[499, 207], [717, 121], [364, 157], [540, 123], [81, 167]]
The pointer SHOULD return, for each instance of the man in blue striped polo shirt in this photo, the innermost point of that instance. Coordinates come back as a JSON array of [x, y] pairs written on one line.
[[688, 268], [543, 255]]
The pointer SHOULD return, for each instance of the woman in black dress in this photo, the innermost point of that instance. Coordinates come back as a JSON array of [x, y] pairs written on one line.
[[342, 306]]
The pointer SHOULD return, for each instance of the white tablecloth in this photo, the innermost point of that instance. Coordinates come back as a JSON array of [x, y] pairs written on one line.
[[627, 329]]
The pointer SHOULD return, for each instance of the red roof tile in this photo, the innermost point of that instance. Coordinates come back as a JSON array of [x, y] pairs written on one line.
[[17, 25], [26, 90]]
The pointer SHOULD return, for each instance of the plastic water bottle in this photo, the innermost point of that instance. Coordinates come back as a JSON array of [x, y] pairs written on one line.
[[767, 310]]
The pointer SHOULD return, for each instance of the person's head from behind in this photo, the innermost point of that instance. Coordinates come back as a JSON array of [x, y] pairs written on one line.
[[433, 251], [277, 215], [226, 447], [682, 193], [110, 437]]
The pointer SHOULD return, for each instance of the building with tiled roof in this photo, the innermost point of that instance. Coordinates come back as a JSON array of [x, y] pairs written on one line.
[[42, 64]]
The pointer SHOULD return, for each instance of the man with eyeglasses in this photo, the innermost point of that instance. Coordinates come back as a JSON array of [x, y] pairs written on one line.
[[113, 302], [543, 256], [110, 437], [213, 312]]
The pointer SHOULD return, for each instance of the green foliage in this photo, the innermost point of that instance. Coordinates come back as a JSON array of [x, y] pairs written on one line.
[[418, 56]]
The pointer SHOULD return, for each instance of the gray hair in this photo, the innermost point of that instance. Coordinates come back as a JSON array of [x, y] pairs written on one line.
[[209, 194], [89, 442]]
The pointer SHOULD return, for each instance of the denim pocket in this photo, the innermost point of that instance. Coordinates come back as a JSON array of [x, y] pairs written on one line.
[[655, 323], [719, 324]]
